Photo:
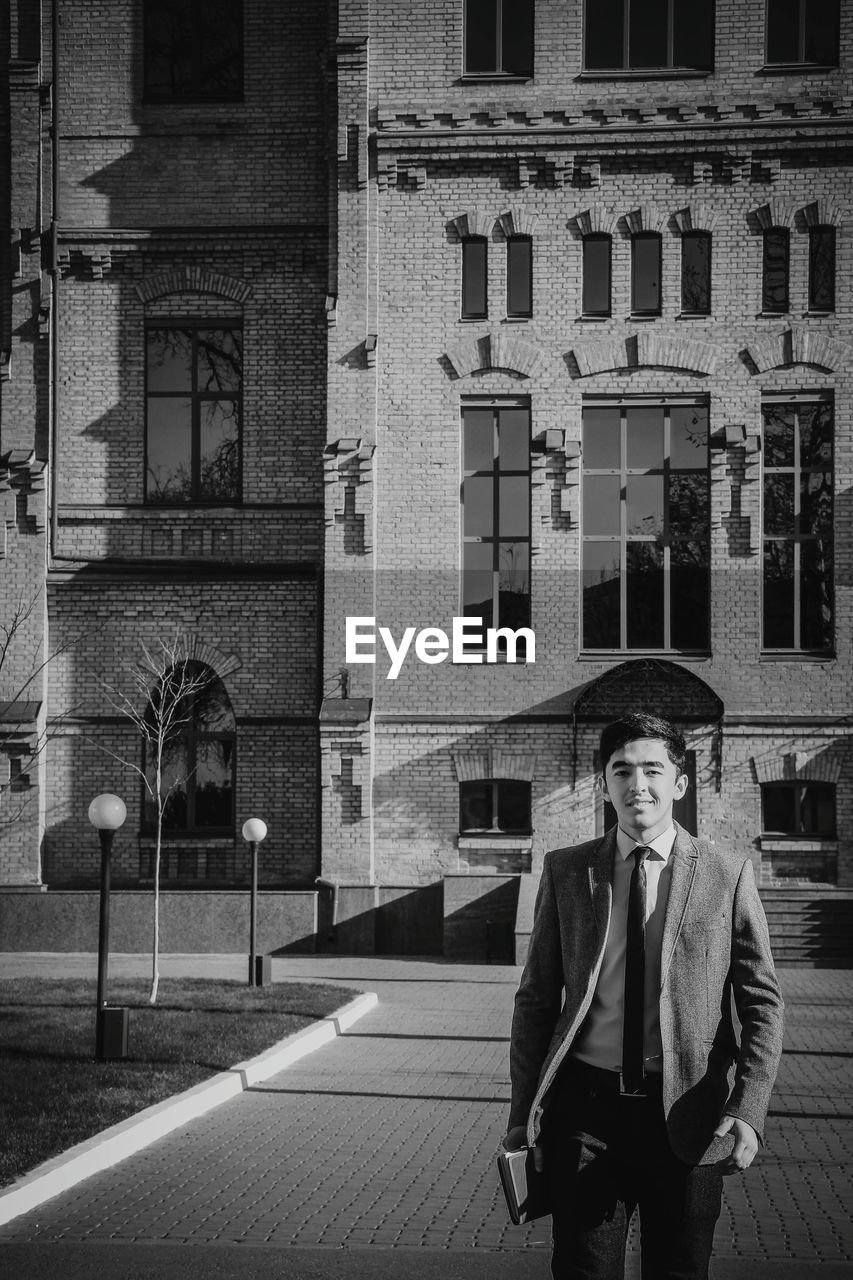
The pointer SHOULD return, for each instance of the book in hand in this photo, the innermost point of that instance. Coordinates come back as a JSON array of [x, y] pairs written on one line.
[[524, 1188]]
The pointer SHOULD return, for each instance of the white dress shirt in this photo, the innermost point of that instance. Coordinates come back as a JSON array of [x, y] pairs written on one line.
[[599, 1038]]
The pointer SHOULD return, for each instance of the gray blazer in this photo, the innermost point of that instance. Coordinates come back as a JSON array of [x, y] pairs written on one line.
[[715, 952]]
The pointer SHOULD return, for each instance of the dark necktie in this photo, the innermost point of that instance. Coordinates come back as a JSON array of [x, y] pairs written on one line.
[[635, 973]]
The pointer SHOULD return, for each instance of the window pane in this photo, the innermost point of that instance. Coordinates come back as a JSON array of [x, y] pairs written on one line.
[[645, 274], [815, 433], [822, 31], [514, 584], [519, 254], [645, 437], [212, 783], [817, 809], [213, 712], [175, 769], [778, 809], [822, 269], [783, 30], [604, 33], [475, 806], [601, 595], [693, 38], [696, 273], [688, 436], [481, 36], [473, 278], [478, 501], [601, 505], [779, 435], [219, 466], [816, 595], [478, 581], [816, 503], [219, 31], [514, 806], [645, 505], [644, 595], [517, 51], [688, 505], [168, 475], [596, 276], [775, 277], [514, 513], [779, 504], [514, 440], [168, 48], [220, 359], [648, 40], [478, 440], [169, 359], [778, 595], [689, 595], [601, 438]]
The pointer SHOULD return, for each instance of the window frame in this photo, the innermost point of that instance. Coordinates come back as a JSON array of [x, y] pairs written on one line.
[[796, 786], [767, 307], [194, 96], [495, 831], [668, 68], [797, 538], [499, 72], [689, 237], [597, 237], [468, 243], [527, 241], [665, 540], [647, 237], [802, 38], [195, 325], [828, 230]]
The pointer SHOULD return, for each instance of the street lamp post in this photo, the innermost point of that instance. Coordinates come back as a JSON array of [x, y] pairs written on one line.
[[260, 972], [107, 813]]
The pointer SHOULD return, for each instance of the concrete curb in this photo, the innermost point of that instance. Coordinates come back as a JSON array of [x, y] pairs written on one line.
[[129, 1136]]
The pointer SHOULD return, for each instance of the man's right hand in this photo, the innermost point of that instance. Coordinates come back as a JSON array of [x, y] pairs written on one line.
[[516, 1138]]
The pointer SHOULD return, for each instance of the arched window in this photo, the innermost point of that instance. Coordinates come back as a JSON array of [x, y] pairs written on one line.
[[475, 290], [774, 271], [821, 268], [192, 731], [646, 273], [596, 274]]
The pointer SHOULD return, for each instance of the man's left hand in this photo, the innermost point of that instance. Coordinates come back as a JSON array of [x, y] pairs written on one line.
[[746, 1144]]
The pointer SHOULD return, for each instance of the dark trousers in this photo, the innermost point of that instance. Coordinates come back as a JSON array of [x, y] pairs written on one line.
[[607, 1155]]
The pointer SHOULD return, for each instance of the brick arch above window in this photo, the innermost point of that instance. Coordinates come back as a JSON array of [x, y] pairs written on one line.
[[646, 217], [644, 350], [799, 766], [796, 346], [821, 213], [776, 213], [475, 222], [518, 222], [496, 351], [493, 762], [695, 217], [195, 280], [598, 219], [193, 648]]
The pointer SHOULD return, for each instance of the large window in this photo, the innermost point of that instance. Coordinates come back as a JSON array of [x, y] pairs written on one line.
[[596, 274], [193, 50], [519, 276], [475, 278], [821, 268], [646, 274], [802, 31], [637, 35], [496, 807], [499, 37], [646, 526], [798, 809], [198, 755], [194, 378], [696, 273], [797, 524], [774, 271], [496, 514]]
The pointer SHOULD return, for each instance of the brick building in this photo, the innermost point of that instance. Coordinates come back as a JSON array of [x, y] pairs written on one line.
[[478, 308]]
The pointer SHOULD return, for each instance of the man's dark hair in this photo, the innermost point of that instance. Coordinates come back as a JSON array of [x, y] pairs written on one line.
[[643, 724]]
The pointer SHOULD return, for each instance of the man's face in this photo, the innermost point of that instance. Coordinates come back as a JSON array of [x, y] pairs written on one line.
[[642, 783]]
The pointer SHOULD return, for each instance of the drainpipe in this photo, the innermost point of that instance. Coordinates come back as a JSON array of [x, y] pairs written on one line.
[[53, 267]]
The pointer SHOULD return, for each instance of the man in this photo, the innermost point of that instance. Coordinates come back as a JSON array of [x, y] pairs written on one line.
[[628, 1077]]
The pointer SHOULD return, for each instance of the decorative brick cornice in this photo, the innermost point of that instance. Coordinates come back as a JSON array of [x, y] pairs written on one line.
[[492, 762], [190, 279], [696, 217], [645, 350], [775, 213], [598, 219], [796, 346], [475, 222], [496, 351]]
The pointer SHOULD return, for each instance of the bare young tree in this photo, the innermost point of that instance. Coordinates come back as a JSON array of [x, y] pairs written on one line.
[[163, 694]]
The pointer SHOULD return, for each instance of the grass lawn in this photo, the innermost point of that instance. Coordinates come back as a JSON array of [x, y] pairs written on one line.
[[54, 1093]]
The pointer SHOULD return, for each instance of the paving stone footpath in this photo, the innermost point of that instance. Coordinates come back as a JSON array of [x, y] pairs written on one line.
[[375, 1155]]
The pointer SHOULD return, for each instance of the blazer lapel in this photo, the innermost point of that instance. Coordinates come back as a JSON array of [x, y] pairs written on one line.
[[601, 880], [685, 859]]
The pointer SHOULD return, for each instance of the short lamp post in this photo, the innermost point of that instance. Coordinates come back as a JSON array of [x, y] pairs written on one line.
[[107, 813], [260, 972]]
